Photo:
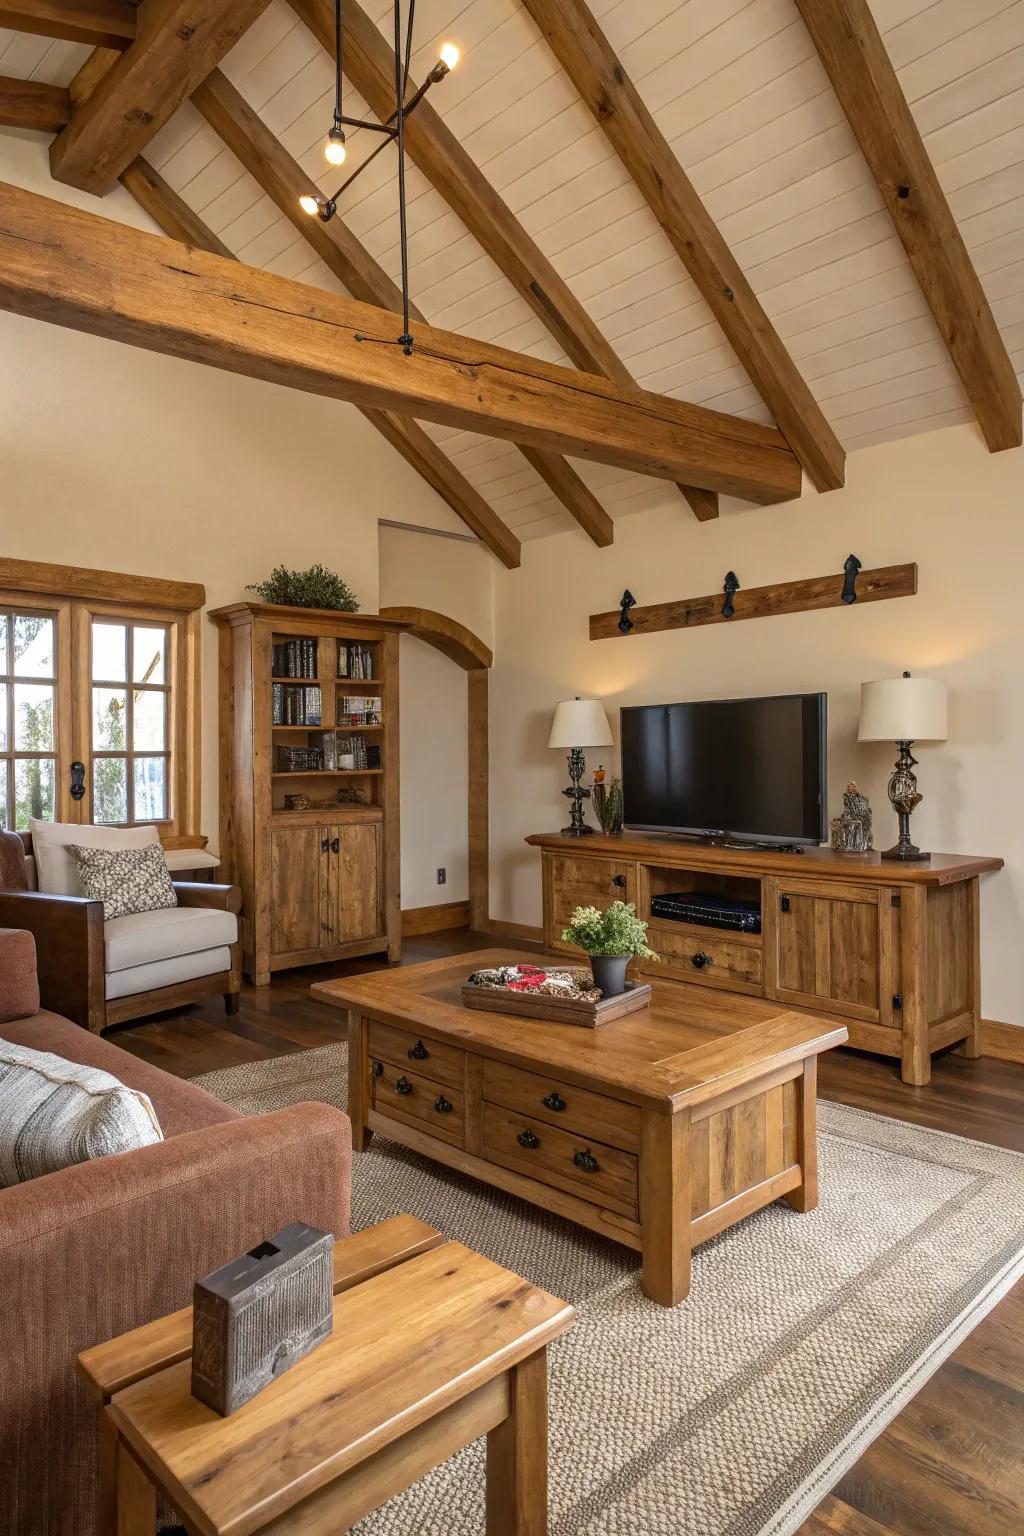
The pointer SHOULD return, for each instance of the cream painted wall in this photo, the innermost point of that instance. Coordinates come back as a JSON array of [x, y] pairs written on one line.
[[115, 457], [941, 500], [454, 577]]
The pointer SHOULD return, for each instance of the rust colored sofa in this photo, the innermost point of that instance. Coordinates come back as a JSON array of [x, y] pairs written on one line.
[[96, 1249]]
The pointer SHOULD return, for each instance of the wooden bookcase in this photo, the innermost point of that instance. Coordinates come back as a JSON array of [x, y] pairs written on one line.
[[889, 949], [322, 882]]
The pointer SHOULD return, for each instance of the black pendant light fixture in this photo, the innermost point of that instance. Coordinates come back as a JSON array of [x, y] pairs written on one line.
[[391, 131]]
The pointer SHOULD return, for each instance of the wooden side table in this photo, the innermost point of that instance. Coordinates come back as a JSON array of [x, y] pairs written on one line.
[[433, 1346]]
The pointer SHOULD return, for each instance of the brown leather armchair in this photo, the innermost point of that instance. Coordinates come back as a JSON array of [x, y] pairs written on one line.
[[101, 973]]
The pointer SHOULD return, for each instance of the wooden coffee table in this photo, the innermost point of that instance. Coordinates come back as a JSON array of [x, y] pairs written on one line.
[[433, 1346], [658, 1130]]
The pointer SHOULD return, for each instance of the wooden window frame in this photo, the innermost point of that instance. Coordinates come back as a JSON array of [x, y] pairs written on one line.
[[77, 596], [28, 604]]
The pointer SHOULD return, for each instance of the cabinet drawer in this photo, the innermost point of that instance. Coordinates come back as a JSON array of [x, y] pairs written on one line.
[[561, 1105], [550, 1155], [433, 1107], [441, 1063], [689, 956]]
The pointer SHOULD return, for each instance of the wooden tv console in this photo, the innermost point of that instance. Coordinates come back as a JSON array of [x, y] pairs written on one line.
[[890, 949]]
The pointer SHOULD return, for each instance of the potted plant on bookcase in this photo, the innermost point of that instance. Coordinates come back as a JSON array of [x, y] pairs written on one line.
[[612, 939]]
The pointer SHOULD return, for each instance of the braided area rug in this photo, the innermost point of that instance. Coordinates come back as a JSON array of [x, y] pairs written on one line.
[[734, 1413]]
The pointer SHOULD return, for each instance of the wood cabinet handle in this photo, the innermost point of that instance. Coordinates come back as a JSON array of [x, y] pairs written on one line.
[[403, 1085], [554, 1100], [783, 903], [378, 1069], [442, 1105], [619, 880], [418, 1052], [528, 1139], [586, 1161], [335, 844], [325, 844], [700, 960]]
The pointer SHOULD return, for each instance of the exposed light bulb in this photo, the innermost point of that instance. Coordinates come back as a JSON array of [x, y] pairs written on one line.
[[449, 55], [309, 204], [334, 148]]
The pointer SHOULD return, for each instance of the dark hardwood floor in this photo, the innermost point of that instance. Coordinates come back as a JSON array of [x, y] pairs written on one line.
[[952, 1462]]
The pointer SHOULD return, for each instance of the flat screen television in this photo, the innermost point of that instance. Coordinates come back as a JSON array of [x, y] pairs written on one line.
[[743, 768]]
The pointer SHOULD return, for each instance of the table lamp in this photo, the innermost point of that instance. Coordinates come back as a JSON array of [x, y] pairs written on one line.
[[904, 710], [578, 723]]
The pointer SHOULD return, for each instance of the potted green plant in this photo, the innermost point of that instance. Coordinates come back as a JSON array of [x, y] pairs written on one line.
[[611, 938]]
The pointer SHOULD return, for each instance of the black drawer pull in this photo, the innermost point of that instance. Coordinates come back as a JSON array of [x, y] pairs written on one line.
[[378, 1069], [442, 1105], [619, 880], [554, 1100], [403, 1085], [586, 1162], [335, 844], [528, 1138], [783, 903], [700, 960], [418, 1052], [325, 843]]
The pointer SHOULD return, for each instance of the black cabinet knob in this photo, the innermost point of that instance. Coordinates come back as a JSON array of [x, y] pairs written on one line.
[[619, 880], [783, 903], [325, 843], [554, 1100], [335, 844], [403, 1085], [442, 1105], [700, 960], [378, 1069], [418, 1052], [586, 1162], [528, 1139]]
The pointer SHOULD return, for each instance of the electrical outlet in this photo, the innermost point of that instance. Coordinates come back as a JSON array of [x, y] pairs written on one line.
[[442, 876]]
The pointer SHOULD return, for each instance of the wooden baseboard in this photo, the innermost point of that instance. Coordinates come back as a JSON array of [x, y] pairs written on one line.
[[448, 914], [1004, 1041], [522, 933]]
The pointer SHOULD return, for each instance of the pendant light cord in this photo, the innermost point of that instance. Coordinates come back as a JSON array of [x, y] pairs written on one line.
[[402, 57], [338, 35]]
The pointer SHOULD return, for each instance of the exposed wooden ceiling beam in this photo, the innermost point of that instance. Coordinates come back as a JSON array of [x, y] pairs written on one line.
[[60, 264], [591, 64], [369, 64], [107, 23], [284, 181], [863, 77], [31, 104], [175, 50], [178, 220]]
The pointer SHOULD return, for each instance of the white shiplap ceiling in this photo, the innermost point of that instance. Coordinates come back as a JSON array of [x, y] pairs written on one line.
[[737, 88]]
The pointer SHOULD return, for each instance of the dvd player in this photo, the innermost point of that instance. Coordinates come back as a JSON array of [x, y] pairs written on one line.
[[708, 911]]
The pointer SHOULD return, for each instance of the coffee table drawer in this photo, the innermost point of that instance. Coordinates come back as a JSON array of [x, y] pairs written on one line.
[[563, 1106], [690, 956], [579, 1164], [436, 1108], [443, 1063]]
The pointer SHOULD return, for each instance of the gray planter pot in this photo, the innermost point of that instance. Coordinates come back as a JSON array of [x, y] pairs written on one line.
[[610, 973]]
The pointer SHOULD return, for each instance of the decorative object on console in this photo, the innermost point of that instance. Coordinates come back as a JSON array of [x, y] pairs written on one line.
[[904, 710], [756, 602], [608, 804], [851, 832], [255, 1317], [612, 939], [578, 723], [316, 587]]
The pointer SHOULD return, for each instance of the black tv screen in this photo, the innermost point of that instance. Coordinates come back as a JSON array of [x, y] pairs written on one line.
[[750, 768]]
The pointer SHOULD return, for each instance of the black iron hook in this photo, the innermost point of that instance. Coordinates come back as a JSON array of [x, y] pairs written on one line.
[[730, 587], [851, 570], [627, 602]]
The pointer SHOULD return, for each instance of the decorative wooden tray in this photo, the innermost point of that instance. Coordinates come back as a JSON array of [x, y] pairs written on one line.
[[558, 1010]]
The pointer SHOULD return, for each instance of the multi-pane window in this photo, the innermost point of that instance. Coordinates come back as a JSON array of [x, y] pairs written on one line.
[[28, 716], [130, 721]]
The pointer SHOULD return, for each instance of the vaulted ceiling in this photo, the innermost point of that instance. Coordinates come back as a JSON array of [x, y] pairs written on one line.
[[739, 91]]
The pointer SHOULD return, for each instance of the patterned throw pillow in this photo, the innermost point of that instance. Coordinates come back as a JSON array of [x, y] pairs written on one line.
[[126, 880]]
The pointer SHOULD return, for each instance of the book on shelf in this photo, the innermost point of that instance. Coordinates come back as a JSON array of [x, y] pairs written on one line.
[[355, 661], [357, 709], [295, 658], [295, 705]]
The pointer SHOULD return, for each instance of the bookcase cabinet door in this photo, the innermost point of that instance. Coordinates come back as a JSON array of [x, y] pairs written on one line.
[[358, 908], [825, 946], [296, 922]]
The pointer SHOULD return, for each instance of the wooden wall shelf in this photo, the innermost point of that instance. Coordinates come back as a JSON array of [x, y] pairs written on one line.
[[758, 602]]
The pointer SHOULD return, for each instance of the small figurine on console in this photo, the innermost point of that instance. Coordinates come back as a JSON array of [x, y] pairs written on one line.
[[851, 832]]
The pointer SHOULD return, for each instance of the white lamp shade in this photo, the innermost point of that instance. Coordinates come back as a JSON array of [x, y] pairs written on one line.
[[580, 723], [903, 709]]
